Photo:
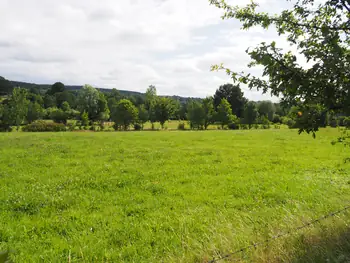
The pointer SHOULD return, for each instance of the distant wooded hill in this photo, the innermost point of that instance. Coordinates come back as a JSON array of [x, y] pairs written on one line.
[[126, 93]]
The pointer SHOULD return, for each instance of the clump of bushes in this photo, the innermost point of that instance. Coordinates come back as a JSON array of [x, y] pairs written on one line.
[[137, 127], [181, 126], [233, 126], [43, 126]]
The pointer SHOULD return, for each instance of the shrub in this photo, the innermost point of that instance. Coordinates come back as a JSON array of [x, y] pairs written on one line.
[[277, 126], [244, 127], [277, 119], [346, 122], [59, 116], [233, 126], [256, 126], [42, 126], [137, 127], [71, 126], [5, 128], [333, 123], [181, 126], [84, 118], [116, 127]]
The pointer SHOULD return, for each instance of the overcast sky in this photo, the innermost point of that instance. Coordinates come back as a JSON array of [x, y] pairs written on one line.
[[127, 45]]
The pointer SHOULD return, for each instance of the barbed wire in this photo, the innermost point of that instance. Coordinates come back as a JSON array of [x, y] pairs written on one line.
[[267, 241]]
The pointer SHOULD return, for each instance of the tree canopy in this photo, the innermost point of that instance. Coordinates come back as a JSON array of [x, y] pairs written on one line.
[[234, 95], [320, 32]]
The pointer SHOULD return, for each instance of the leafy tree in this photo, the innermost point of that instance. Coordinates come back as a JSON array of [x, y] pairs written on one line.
[[176, 107], [163, 109], [88, 101], [224, 113], [65, 106], [49, 101], [65, 96], [196, 114], [5, 86], [320, 33], [59, 116], [103, 110], [32, 97], [56, 88], [35, 90], [267, 109], [250, 113], [151, 97], [17, 109], [150, 103], [84, 119], [183, 111], [35, 112], [143, 115], [234, 95], [209, 111], [124, 113], [113, 97]]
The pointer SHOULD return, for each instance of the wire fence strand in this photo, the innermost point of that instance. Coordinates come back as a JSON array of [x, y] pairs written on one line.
[[267, 241]]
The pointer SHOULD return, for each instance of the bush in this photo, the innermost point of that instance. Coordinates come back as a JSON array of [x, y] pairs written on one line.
[[277, 119], [71, 126], [137, 127], [244, 127], [346, 122], [5, 128], [233, 126], [333, 123], [181, 126], [256, 126], [59, 116], [42, 126]]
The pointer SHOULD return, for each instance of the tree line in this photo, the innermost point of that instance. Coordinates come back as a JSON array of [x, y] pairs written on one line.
[[227, 107]]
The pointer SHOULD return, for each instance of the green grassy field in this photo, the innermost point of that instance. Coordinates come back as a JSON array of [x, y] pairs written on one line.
[[172, 196]]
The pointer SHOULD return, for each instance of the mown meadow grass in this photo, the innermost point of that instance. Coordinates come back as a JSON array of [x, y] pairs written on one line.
[[172, 196]]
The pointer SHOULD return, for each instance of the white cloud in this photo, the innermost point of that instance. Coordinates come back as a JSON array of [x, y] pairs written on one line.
[[124, 44]]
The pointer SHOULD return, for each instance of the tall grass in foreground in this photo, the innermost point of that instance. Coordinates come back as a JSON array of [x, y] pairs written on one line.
[[172, 196]]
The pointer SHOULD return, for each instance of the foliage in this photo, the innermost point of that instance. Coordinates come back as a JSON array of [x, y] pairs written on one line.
[[250, 114], [209, 111], [195, 114], [224, 113], [320, 32], [16, 110], [59, 116], [84, 119], [43, 126], [143, 115], [65, 106], [49, 101], [5, 86], [234, 95], [137, 127], [65, 96], [267, 109], [309, 118], [150, 102], [88, 101], [163, 109], [35, 112], [124, 113], [181, 126], [58, 87]]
